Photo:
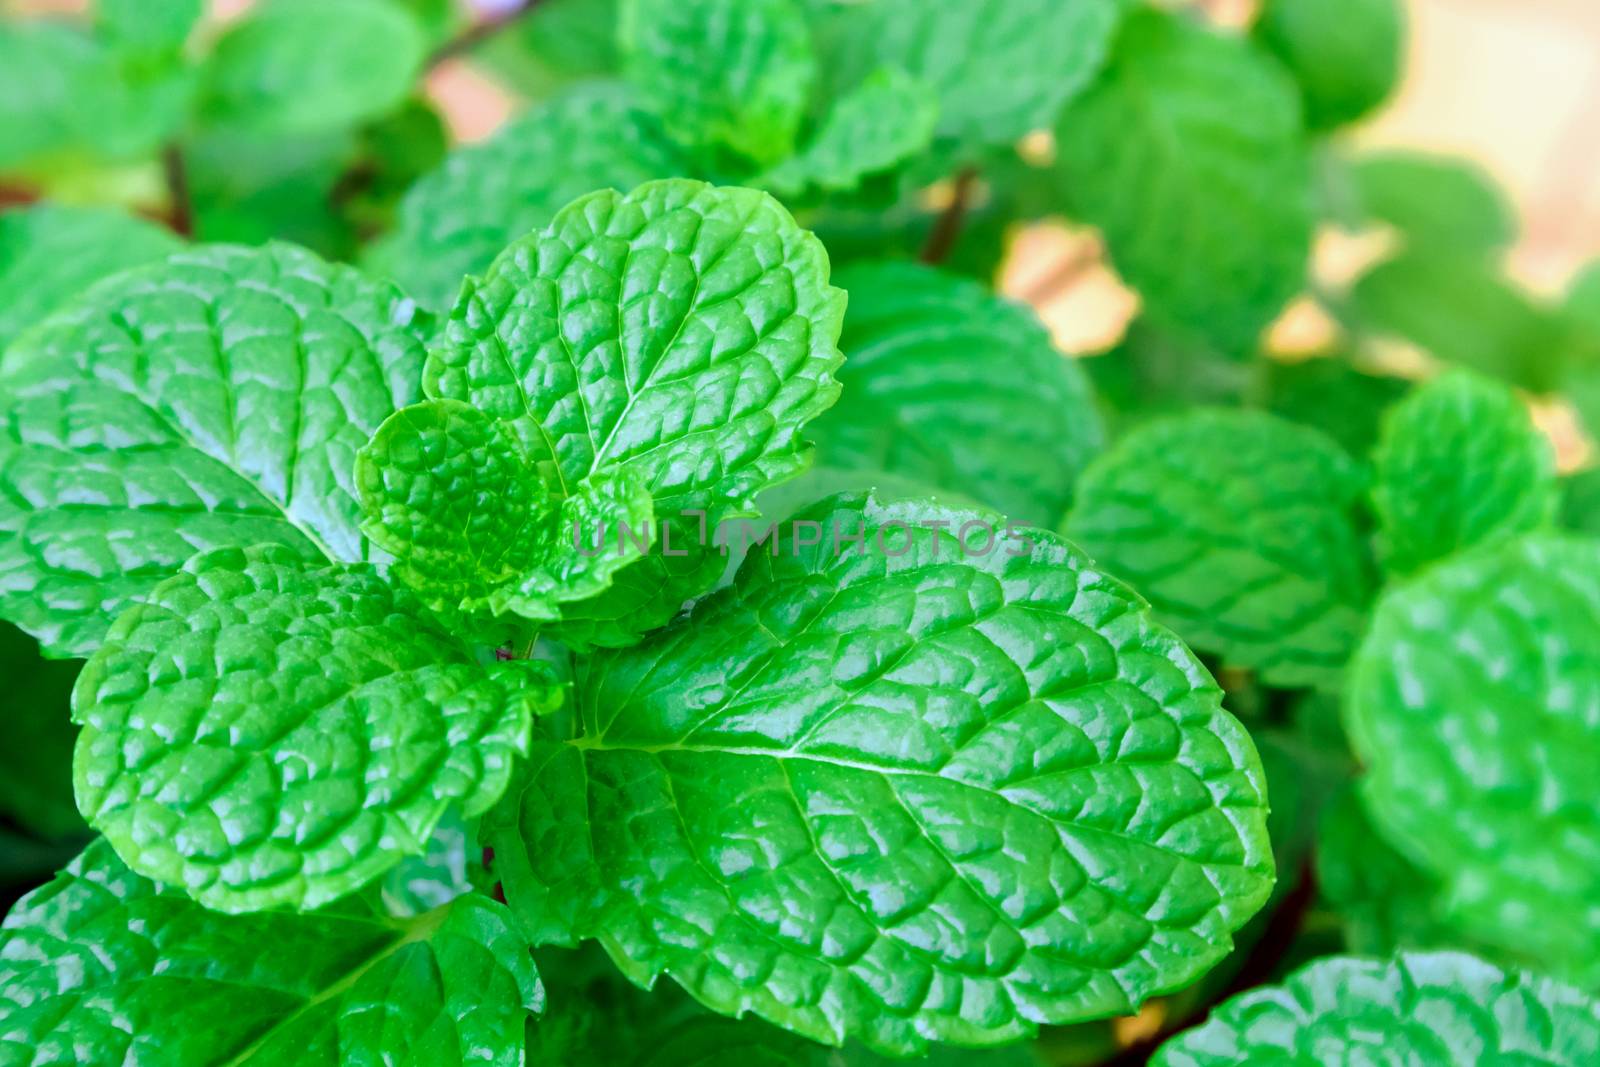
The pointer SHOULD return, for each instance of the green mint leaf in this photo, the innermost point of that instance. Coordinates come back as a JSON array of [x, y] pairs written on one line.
[[1444, 1009], [455, 497], [1189, 155], [1001, 68], [1384, 901], [36, 739], [1331, 394], [1239, 527], [263, 733], [213, 400], [681, 333], [1436, 202], [150, 26], [1460, 464], [722, 74], [50, 252], [1460, 310], [1346, 57], [443, 871], [103, 966], [66, 93], [1012, 429], [45, 68], [1153, 371], [304, 66], [1472, 707], [1583, 296], [881, 123], [1580, 501], [455, 220], [923, 792], [553, 45]]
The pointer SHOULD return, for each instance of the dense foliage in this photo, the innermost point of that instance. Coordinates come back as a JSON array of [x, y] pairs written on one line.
[[632, 590]]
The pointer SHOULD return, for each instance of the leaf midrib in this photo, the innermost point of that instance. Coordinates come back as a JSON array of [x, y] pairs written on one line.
[[419, 929]]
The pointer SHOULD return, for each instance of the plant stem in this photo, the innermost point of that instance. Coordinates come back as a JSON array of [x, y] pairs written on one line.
[[181, 218], [947, 228], [477, 33]]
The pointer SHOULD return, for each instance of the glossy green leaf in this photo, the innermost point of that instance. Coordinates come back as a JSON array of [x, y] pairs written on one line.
[[458, 218], [681, 333], [1461, 311], [264, 733], [884, 121], [1239, 527], [948, 385], [443, 871], [455, 497], [944, 788], [212, 400], [36, 738], [51, 252], [1345, 57], [733, 74], [1189, 155], [1002, 68], [1435, 202], [1460, 464], [1475, 707], [304, 66], [102, 966], [1441, 1009]]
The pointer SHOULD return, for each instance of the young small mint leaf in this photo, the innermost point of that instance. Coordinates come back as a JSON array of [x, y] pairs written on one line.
[[454, 221], [51, 252], [1435, 202], [262, 733], [1460, 310], [722, 74], [1472, 705], [1240, 529], [881, 123], [682, 334], [102, 966], [1445, 1009], [1012, 430], [36, 738], [304, 66], [455, 497], [1460, 464], [1190, 155], [215, 399], [1001, 68], [1345, 57], [919, 791]]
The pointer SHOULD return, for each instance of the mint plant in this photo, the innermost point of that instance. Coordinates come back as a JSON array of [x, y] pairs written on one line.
[[634, 590]]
